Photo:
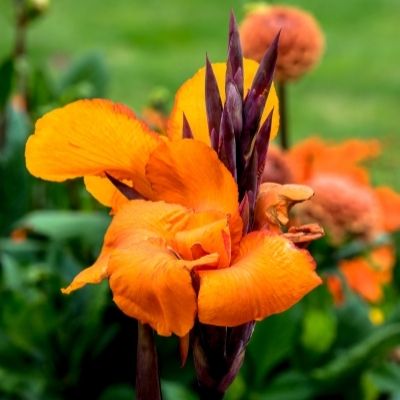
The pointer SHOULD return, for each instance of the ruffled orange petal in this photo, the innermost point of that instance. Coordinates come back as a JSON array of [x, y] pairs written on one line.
[[190, 99], [269, 276], [189, 173], [150, 284], [390, 204], [136, 221], [88, 137]]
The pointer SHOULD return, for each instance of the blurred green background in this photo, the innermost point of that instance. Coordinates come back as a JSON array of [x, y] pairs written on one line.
[[81, 346], [153, 44]]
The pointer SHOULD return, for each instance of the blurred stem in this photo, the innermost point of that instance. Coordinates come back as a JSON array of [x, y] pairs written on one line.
[[21, 24], [284, 131], [147, 379]]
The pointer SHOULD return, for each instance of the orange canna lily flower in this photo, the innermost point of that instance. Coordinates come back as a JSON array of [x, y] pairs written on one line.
[[178, 246]]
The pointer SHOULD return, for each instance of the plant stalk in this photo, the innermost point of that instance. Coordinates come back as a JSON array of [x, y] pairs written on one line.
[[284, 130], [147, 378]]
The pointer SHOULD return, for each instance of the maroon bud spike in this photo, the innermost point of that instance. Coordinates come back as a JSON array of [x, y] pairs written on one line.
[[263, 78], [227, 151], [215, 140], [249, 183], [256, 98], [244, 209], [233, 106], [261, 145], [129, 192], [234, 68], [186, 130], [213, 105]]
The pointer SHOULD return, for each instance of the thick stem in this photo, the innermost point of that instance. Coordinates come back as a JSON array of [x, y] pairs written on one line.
[[147, 379], [284, 130]]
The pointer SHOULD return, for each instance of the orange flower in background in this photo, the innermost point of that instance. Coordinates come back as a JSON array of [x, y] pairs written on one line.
[[347, 206], [302, 41], [179, 248], [365, 275]]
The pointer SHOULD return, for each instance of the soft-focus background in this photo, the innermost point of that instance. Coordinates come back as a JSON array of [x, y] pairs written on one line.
[[138, 53]]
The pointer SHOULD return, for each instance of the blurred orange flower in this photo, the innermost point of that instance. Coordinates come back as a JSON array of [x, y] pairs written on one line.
[[365, 275], [301, 44], [177, 248], [346, 206]]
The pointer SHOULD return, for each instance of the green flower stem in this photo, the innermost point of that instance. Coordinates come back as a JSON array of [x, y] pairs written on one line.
[[284, 131], [147, 378]]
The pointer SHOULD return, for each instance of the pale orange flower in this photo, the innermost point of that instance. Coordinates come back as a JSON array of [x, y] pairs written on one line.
[[182, 252], [300, 47]]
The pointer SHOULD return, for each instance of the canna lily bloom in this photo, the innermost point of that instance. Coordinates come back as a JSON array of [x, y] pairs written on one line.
[[180, 245]]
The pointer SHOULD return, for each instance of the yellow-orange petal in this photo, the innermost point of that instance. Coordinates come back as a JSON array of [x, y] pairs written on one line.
[[105, 192], [189, 173], [269, 276], [190, 99], [88, 137], [150, 284]]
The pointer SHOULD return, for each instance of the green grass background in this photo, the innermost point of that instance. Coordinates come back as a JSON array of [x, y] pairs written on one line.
[[355, 92]]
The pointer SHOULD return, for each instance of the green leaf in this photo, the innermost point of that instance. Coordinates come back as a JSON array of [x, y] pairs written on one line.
[[359, 357], [65, 225], [272, 341], [387, 378], [12, 275]]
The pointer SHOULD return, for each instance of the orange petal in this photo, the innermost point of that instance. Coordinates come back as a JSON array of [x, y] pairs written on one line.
[[362, 278], [94, 274], [366, 275], [334, 284], [274, 202], [88, 137], [136, 221], [269, 276], [190, 99], [189, 173], [150, 284], [316, 156], [390, 204], [206, 233]]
